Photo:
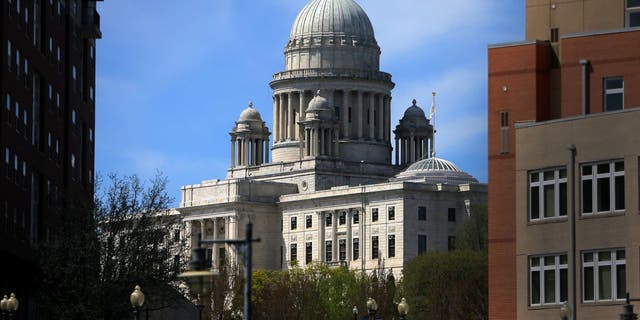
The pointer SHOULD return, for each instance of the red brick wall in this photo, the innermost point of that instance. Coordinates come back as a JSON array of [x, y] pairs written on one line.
[[518, 84]]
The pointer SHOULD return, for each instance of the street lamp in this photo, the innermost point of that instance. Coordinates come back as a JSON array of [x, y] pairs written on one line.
[[137, 300], [9, 306], [403, 309], [565, 311], [372, 307], [3, 306], [199, 278], [355, 313]]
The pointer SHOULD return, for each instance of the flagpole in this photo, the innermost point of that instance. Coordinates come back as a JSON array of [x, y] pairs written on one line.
[[433, 117]]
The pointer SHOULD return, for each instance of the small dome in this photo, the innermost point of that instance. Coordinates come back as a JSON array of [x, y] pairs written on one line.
[[435, 170], [249, 114], [414, 112], [318, 104], [335, 18]]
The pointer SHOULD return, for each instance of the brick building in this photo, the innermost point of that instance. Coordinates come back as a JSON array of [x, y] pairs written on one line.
[[47, 121], [573, 82]]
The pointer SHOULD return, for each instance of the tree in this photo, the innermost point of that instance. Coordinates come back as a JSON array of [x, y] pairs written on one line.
[[137, 243], [472, 235]]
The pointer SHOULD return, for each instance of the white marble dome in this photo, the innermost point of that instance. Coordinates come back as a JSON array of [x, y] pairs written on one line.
[[250, 114], [435, 170], [333, 17]]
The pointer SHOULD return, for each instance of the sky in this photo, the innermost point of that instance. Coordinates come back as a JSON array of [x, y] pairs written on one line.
[[173, 76]]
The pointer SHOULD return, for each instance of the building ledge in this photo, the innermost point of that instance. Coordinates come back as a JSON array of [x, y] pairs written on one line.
[[518, 43], [529, 124], [599, 32]]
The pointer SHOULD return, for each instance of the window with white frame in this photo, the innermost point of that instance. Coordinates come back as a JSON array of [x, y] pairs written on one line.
[[604, 275], [613, 94], [633, 13], [547, 194], [602, 187], [547, 279], [294, 223], [293, 252]]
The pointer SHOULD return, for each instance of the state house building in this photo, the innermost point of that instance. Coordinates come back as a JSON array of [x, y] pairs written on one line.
[[322, 187]]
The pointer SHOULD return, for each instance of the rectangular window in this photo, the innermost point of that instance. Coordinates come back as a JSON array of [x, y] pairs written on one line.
[[374, 247], [547, 280], [8, 102], [294, 223], [342, 218], [613, 94], [603, 187], [633, 13], [392, 213], [309, 221], [73, 117], [308, 253], [328, 250], [342, 249], [391, 246], [604, 275], [547, 194], [293, 252], [356, 248], [504, 132], [18, 63], [9, 58], [374, 214], [422, 243], [356, 217], [451, 243], [422, 213], [451, 215], [328, 219]]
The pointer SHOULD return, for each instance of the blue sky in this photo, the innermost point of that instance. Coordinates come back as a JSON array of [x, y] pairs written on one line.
[[173, 76]]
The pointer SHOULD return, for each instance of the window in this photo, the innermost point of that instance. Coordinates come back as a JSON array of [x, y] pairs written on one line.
[[73, 160], [356, 248], [24, 168], [74, 72], [50, 93], [17, 110], [603, 187], [451, 243], [342, 218], [294, 223], [554, 35], [374, 247], [613, 94], [328, 218], [8, 102], [49, 139], [547, 279], [309, 221], [547, 194], [328, 250], [342, 249], [422, 213], [392, 213], [633, 13], [73, 117], [308, 253], [90, 134], [293, 252], [91, 93], [356, 217], [374, 214], [9, 60], [58, 100], [7, 156], [504, 132], [391, 246], [18, 63], [422, 243], [451, 215], [604, 275]]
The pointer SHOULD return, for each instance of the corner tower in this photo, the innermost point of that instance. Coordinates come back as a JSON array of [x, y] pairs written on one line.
[[332, 47]]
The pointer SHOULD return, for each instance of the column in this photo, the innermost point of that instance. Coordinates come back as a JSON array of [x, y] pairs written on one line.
[[329, 96], [412, 157], [336, 145], [344, 114], [321, 228], [233, 153], [202, 233], [246, 151], [372, 113], [349, 236], [214, 249], [276, 116], [266, 150], [397, 152], [290, 116], [316, 141], [381, 117], [424, 148], [387, 116], [360, 117], [403, 156], [303, 105], [282, 133], [321, 133], [334, 235]]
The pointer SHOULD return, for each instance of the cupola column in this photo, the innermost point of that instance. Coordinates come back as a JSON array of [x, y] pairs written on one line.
[[290, 116], [276, 116], [302, 106], [397, 152], [344, 114], [387, 115], [233, 152], [381, 118], [360, 117], [282, 129], [266, 150], [371, 118]]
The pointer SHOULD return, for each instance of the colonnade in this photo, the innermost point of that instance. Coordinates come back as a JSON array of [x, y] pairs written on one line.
[[413, 148], [363, 115], [321, 142], [249, 151], [213, 228]]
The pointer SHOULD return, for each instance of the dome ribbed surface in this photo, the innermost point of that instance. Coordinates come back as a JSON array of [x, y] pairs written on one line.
[[435, 170], [249, 114], [333, 17], [317, 104]]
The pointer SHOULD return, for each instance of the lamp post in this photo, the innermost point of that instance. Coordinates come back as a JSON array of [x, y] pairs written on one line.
[[403, 309], [372, 307], [355, 313], [627, 309], [3, 306], [565, 311], [200, 279], [137, 301]]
